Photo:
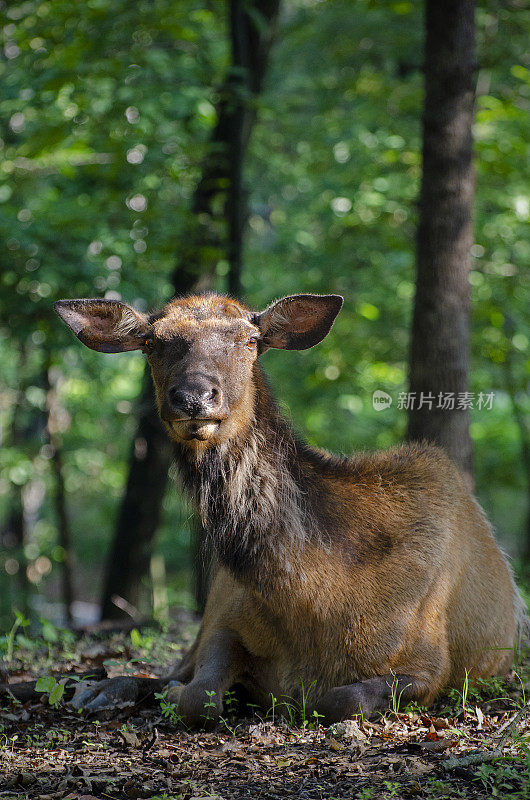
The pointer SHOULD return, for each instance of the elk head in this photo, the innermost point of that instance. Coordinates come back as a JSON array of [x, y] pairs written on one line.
[[202, 350]]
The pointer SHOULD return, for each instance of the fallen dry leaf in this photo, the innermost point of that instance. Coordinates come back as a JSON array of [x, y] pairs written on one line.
[[440, 723], [334, 744]]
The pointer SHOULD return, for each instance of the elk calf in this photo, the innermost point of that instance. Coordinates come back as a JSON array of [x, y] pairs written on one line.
[[359, 577]]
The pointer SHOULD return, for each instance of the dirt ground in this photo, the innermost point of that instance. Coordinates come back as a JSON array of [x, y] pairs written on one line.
[[461, 747]]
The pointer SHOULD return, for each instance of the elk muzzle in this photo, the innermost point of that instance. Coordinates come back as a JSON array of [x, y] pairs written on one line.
[[196, 406]]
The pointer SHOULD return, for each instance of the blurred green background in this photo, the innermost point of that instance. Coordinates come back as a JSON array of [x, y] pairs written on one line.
[[107, 108]]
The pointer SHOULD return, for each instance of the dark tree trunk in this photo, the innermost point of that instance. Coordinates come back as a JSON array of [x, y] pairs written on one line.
[[13, 539], [59, 498], [140, 510], [63, 523], [439, 357], [209, 237], [251, 37], [237, 142], [13, 534]]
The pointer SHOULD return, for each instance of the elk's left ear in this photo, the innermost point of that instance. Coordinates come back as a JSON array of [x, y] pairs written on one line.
[[299, 321], [105, 325]]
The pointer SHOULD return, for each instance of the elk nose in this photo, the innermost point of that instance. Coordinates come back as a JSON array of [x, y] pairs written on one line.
[[195, 400]]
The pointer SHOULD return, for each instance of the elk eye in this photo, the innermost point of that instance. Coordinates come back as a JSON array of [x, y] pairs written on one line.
[[148, 345], [252, 342]]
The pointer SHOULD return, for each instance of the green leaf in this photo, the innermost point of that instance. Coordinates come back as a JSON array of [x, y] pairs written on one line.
[[49, 631], [136, 638], [56, 694], [46, 684]]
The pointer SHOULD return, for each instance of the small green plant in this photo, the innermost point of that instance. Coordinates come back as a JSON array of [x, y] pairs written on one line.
[[232, 729], [54, 689], [442, 790], [461, 698], [3, 737], [20, 622], [415, 708], [303, 704], [272, 710], [465, 692], [292, 712], [457, 733], [481, 690], [524, 699], [502, 778], [209, 704], [397, 695], [141, 642], [508, 776], [296, 712], [367, 793], [230, 701], [392, 788], [169, 710], [50, 635], [314, 720], [493, 688]]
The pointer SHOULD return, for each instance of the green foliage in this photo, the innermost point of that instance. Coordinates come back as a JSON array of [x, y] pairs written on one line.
[[335, 172], [482, 690], [109, 109], [8, 641], [141, 642], [210, 706], [507, 777], [367, 793], [230, 702], [169, 710], [52, 688]]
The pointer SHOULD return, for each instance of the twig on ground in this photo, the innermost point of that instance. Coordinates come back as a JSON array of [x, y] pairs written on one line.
[[489, 755], [149, 744], [508, 726], [473, 758]]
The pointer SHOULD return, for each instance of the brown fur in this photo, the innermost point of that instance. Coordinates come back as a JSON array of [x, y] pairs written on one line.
[[346, 575]]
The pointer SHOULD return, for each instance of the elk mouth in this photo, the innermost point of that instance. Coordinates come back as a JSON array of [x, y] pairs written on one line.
[[195, 428]]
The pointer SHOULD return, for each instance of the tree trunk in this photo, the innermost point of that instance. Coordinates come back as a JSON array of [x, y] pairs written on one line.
[[12, 540], [439, 356], [59, 499], [65, 538], [140, 510], [209, 237], [13, 534], [251, 37]]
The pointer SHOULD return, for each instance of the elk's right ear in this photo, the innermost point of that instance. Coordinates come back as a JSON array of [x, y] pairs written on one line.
[[297, 322], [105, 325]]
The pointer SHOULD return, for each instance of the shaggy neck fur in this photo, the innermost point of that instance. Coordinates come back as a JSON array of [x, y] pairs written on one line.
[[253, 496]]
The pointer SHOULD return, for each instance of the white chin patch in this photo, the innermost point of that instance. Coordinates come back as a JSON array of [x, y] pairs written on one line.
[[204, 429], [195, 429]]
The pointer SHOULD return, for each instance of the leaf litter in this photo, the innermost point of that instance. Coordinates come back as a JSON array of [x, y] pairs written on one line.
[[49, 751]]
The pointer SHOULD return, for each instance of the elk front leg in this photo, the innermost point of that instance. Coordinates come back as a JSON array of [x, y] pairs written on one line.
[[369, 696], [130, 690], [115, 692], [221, 662]]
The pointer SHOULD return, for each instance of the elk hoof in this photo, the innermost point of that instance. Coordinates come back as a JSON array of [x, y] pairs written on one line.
[[196, 706], [112, 693]]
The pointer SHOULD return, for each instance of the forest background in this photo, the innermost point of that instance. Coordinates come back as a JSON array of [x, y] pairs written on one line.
[[110, 112]]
